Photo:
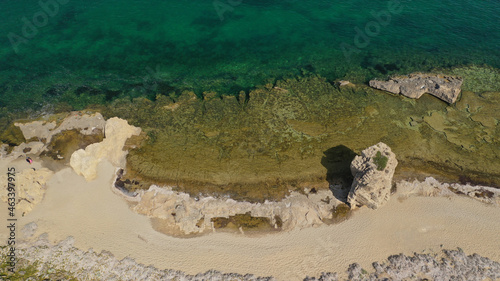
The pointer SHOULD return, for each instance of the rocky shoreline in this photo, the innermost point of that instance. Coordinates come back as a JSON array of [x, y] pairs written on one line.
[[186, 214], [51, 259], [414, 85], [190, 215]]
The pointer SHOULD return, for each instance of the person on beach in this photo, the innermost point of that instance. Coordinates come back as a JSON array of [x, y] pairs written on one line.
[[29, 160]]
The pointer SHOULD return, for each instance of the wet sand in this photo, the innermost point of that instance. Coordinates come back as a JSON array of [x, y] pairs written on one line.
[[99, 219]]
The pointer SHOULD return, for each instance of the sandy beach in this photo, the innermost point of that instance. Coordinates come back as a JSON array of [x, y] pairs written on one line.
[[98, 218], [250, 140]]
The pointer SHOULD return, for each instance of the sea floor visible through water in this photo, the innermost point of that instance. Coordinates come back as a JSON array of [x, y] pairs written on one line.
[[241, 99], [81, 53]]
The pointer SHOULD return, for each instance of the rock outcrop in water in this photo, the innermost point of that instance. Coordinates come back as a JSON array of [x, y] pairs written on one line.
[[271, 137], [30, 188], [415, 85], [373, 172], [39, 135]]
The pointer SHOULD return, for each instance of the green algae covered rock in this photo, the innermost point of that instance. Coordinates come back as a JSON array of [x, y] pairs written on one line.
[[12, 135], [262, 144]]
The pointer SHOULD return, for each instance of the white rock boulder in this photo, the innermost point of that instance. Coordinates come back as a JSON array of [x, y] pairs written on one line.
[[373, 172], [116, 132], [189, 215]]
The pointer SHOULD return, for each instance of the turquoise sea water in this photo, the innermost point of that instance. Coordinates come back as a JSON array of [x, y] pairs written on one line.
[[67, 50]]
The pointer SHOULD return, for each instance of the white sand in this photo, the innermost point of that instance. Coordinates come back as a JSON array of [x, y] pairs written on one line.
[[99, 219]]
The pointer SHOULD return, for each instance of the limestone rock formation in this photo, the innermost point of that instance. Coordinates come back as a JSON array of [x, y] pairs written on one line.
[[373, 172], [78, 264], [415, 85], [194, 215], [40, 133], [44, 130], [432, 187], [30, 188], [451, 265], [116, 131]]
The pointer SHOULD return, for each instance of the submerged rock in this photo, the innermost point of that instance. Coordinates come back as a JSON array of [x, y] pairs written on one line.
[[453, 265], [415, 85], [373, 172]]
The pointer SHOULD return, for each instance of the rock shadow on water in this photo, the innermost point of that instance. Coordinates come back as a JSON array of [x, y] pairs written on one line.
[[337, 161]]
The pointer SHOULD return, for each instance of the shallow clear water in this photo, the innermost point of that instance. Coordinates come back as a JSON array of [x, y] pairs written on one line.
[[229, 46]]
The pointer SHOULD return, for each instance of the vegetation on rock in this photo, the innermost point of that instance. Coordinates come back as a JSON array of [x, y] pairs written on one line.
[[380, 161], [12, 135], [245, 221]]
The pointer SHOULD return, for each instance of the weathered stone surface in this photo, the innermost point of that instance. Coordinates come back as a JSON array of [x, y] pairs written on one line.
[[415, 85], [181, 211], [34, 147], [29, 229], [30, 188], [117, 131], [432, 187], [373, 172], [44, 130]]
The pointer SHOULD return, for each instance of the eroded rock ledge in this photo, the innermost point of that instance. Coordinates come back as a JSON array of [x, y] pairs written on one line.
[[432, 187], [89, 265], [117, 131], [196, 215], [415, 85], [189, 215], [30, 186]]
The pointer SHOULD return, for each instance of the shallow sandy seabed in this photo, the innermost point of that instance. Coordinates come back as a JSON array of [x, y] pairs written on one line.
[[99, 219]]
